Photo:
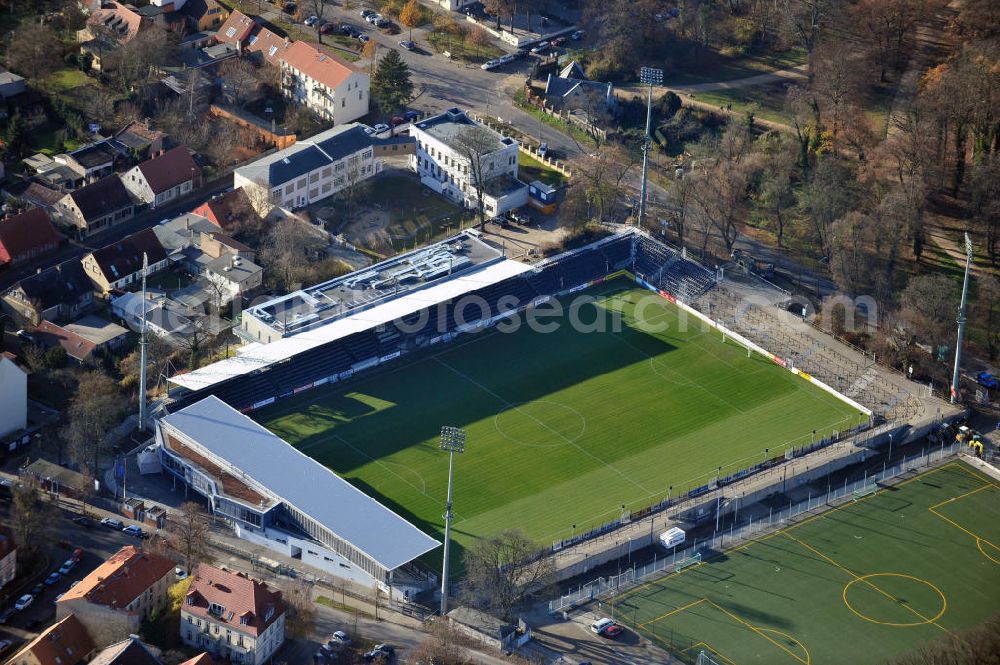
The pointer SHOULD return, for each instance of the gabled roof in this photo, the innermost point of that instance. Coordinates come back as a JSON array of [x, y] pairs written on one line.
[[102, 197], [559, 87], [93, 155], [248, 605], [198, 8], [125, 256], [270, 45], [137, 135], [236, 28], [169, 169], [573, 70], [64, 643], [117, 18], [222, 210], [27, 233], [77, 347], [131, 651], [318, 64], [203, 659], [65, 282], [308, 154], [121, 579], [38, 194]]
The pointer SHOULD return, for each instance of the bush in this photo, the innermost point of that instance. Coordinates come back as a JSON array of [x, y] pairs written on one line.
[[55, 357]]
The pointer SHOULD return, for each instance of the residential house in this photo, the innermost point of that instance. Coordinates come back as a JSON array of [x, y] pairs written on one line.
[[203, 15], [115, 597], [446, 165], [454, 5], [233, 276], [163, 178], [66, 642], [310, 170], [249, 37], [592, 102], [27, 235], [488, 630], [313, 77], [118, 21], [10, 84], [82, 339], [165, 318], [91, 162], [181, 239], [139, 141], [130, 651], [230, 210], [232, 616], [236, 29], [96, 207], [13, 395], [36, 195], [119, 264], [8, 557], [62, 292], [53, 174]]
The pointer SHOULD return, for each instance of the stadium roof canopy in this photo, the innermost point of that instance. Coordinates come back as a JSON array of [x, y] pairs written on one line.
[[302, 482], [258, 356]]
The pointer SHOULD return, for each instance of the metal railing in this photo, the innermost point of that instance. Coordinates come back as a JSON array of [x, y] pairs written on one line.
[[737, 534]]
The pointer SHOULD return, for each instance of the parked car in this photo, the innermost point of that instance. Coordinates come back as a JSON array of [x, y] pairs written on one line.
[[519, 217], [543, 150], [6, 614], [384, 650], [83, 521], [290, 8], [180, 573], [601, 625], [411, 116], [381, 127], [490, 64], [558, 41], [986, 380], [397, 120], [112, 523], [77, 554], [363, 38], [612, 631], [407, 44], [327, 28], [365, 13], [52, 579], [133, 530], [67, 566], [58, 596], [341, 638], [25, 335], [23, 602], [541, 47], [4, 645], [382, 22], [349, 30], [578, 35], [311, 20], [38, 588]]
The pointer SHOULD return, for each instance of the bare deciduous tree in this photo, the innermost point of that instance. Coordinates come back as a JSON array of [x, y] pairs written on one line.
[[475, 144], [503, 571], [241, 78], [31, 519], [188, 532], [94, 411]]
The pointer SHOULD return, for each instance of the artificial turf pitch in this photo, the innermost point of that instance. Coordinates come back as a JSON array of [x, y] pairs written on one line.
[[862, 583], [563, 428]]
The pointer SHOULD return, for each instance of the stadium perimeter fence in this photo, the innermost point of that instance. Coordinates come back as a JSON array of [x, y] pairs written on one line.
[[704, 549]]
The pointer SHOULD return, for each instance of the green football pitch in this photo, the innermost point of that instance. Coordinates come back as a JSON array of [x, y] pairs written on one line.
[[563, 428], [865, 582]]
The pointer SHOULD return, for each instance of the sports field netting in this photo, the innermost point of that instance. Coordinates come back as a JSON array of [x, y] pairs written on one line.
[[862, 583], [563, 428]]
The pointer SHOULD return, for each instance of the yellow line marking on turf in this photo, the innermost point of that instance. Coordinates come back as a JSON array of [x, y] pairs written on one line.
[[865, 579], [760, 632], [979, 539], [675, 611], [714, 651], [860, 578]]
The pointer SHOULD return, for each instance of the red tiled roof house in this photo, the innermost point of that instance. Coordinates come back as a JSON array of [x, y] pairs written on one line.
[[64, 643], [232, 616], [27, 235], [112, 601], [162, 178], [314, 77]]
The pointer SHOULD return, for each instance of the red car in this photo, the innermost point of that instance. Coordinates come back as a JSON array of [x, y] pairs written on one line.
[[327, 28], [558, 41], [77, 554], [612, 631]]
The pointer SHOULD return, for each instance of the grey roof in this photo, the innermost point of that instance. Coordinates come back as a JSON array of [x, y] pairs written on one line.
[[302, 482], [308, 154], [503, 185], [447, 126], [239, 269]]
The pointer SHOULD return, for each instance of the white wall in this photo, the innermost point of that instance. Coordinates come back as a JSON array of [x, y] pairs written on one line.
[[13, 397], [348, 101]]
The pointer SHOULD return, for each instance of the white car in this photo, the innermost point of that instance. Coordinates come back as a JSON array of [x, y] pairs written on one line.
[[340, 637], [67, 566], [180, 573], [23, 602], [508, 57], [381, 127], [311, 20], [542, 47], [601, 625], [490, 64]]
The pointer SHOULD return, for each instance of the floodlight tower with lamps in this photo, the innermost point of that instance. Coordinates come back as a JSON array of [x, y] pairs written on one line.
[[961, 319], [452, 441], [143, 343], [647, 76]]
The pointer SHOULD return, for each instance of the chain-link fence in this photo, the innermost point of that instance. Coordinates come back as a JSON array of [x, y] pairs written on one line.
[[747, 530]]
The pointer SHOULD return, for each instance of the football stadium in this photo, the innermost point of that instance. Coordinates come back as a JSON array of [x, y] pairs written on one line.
[[594, 388]]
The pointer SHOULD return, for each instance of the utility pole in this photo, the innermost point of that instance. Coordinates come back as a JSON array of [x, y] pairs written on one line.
[[650, 77], [452, 441], [142, 349], [961, 319]]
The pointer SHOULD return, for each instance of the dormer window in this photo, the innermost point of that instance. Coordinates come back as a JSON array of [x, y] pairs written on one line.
[[216, 609]]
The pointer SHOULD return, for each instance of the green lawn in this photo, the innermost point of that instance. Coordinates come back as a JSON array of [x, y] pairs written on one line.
[[564, 427], [717, 67], [529, 168], [766, 101], [460, 49], [415, 213], [860, 584], [66, 79]]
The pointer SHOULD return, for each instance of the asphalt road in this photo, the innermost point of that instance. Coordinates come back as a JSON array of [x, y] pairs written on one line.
[[144, 220]]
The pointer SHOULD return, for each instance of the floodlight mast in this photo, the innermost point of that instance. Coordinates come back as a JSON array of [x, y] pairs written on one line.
[[143, 343], [961, 319], [647, 76], [452, 441]]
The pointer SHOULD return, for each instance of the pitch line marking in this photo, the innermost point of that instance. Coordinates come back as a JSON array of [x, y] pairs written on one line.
[[674, 611], [715, 652], [979, 539], [516, 441], [559, 434], [760, 631], [865, 578], [861, 578]]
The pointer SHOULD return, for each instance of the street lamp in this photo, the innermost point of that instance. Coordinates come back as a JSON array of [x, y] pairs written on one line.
[[647, 76], [452, 441], [961, 319]]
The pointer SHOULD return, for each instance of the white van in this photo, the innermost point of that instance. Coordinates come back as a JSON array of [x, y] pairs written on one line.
[[672, 537]]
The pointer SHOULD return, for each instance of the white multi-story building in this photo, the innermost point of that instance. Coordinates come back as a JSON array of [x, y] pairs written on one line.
[[232, 616], [455, 5], [309, 170], [319, 80], [444, 161]]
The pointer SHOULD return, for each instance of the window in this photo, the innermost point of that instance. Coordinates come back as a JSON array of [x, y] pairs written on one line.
[[289, 189], [301, 184], [231, 32], [326, 172], [252, 41], [313, 177], [271, 51], [343, 103]]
